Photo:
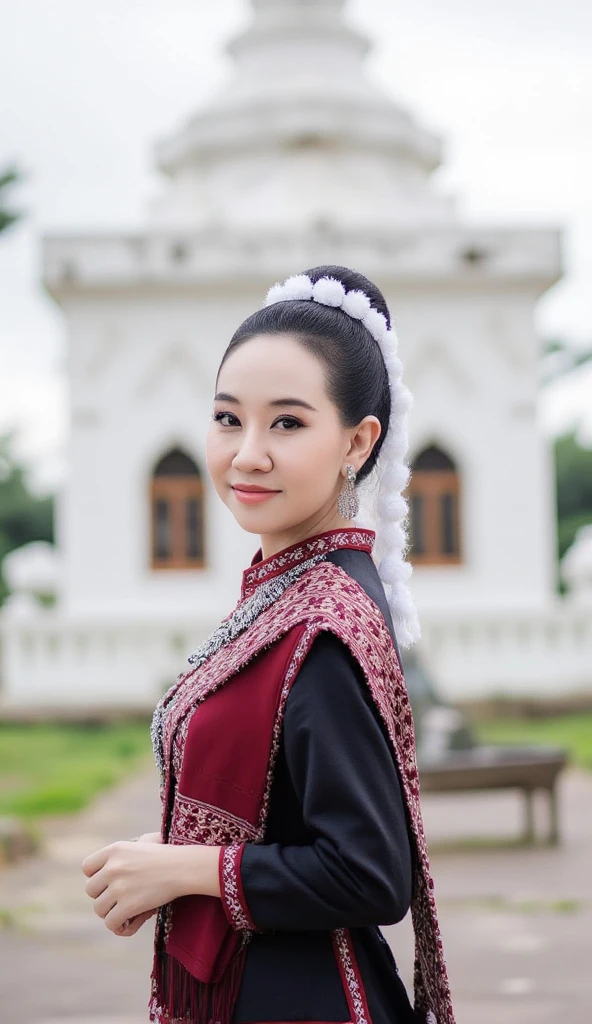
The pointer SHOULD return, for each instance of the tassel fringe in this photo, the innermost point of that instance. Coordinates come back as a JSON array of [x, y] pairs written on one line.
[[179, 998]]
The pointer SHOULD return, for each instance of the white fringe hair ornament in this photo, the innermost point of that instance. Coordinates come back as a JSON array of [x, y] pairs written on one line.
[[391, 506]]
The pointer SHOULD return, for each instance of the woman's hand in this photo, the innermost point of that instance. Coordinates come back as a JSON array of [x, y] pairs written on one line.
[[134, 924], [130, 880]]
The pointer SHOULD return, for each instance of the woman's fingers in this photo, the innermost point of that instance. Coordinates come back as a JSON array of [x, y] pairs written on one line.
[[119, 917], [127, 931], [96, 885], [95, 861], [132, 881], [104, 904], [131, 927]]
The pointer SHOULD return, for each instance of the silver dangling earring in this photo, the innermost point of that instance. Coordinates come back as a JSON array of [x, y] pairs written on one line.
[[347, 502]]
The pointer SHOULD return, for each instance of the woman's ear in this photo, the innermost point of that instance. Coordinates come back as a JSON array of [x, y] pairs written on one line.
[[362, 441]]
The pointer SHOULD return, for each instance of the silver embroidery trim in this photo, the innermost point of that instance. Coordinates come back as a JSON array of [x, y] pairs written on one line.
[[351, 977], [260, 571], [197, 821], [230, 893]]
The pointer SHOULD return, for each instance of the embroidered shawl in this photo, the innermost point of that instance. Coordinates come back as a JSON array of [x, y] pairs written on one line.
[[216, 743]]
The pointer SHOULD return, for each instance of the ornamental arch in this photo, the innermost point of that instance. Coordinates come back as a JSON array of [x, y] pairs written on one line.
[[434, 495], [177, 499]]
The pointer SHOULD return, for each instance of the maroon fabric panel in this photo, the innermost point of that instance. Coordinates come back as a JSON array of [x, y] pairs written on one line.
[[232, 729]]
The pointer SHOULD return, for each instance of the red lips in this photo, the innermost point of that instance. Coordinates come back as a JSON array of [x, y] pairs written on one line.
[[252, 494], [253, 489]]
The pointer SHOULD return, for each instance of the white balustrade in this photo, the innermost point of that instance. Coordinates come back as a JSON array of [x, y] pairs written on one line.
[[51, 660]]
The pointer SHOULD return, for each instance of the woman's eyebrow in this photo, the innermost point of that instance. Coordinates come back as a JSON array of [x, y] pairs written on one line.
[[222, 396]]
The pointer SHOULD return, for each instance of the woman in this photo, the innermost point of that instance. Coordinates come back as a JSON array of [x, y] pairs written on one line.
[[291, 824]]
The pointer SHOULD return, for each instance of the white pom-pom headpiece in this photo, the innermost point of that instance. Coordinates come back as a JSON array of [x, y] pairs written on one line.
[[297, 287], [356, 304], [330, 292], [392, 507]]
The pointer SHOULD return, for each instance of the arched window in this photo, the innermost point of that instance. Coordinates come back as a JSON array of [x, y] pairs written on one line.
[[434, 498], [177, 513]]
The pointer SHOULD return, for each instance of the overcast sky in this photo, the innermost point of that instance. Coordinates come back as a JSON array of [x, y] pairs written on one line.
[[88, 87]]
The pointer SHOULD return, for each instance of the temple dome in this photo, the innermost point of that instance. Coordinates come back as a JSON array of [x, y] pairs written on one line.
[[300, 134]]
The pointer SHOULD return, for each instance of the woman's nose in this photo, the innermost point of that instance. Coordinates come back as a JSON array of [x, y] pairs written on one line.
[[251, 454]]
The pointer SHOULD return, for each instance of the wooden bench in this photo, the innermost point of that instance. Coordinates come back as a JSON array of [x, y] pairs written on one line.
[[496, 767]]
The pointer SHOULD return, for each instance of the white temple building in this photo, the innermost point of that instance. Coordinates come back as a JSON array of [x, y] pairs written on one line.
[[299, 161]]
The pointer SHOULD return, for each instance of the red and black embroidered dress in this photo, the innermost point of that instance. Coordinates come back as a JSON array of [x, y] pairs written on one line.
[[291, 746]]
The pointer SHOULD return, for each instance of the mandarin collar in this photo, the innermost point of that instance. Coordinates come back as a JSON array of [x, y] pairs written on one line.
[[262, 569]]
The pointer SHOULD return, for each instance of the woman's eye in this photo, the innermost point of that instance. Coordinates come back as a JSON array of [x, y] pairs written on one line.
[[290, 421], [220, 415]]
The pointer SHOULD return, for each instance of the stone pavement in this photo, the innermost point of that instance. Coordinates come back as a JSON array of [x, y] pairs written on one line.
[[59, 962], [516, 924]]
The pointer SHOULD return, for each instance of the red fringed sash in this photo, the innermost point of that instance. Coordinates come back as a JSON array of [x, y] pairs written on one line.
[[220, 754]]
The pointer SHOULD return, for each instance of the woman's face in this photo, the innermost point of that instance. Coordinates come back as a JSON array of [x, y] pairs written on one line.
[[274, 426]]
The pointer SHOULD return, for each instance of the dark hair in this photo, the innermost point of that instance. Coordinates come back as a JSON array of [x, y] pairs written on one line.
[[356, 376]]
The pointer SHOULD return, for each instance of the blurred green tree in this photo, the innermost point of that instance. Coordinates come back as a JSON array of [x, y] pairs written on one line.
[[573, 462], [560, 358], [10, 176], [573, 470], [24, 517]]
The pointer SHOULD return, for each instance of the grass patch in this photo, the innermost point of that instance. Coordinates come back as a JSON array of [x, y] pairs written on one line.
[[479, 844], [572, 731], [50, 769], [534, 906], [7, 918]]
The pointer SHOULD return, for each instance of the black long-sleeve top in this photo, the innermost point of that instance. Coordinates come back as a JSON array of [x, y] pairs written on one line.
[[336, 851]]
